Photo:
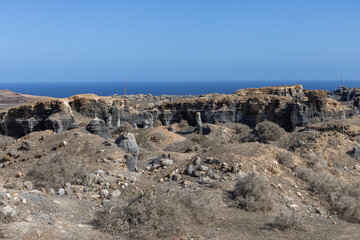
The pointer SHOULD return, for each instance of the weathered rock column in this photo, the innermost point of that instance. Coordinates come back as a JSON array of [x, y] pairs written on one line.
[[198, 120], [127, 142]]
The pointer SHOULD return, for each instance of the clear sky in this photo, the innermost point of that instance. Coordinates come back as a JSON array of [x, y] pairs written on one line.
[[166, 40]]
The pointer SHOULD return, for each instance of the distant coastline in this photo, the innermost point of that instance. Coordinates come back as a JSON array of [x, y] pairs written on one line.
[[66, 89]]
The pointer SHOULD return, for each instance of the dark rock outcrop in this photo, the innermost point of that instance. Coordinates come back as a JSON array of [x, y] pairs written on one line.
[[345, 93]]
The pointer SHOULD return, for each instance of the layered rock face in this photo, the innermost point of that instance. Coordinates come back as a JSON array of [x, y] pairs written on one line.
[[289, 106]]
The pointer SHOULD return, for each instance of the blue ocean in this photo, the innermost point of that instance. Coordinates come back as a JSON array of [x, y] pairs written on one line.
[[66, 89]]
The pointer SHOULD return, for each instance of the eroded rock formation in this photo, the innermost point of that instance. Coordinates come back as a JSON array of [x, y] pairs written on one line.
[[288, 106]]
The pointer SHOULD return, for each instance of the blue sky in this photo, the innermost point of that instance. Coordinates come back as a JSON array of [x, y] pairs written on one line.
[[179, 40]]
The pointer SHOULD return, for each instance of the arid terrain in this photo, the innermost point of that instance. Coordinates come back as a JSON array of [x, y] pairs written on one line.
[[268, 163]]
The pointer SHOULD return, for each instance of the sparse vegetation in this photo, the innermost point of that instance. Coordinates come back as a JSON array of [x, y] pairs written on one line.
[[55, 172], [253, 192], [182, 147], [158, 215]]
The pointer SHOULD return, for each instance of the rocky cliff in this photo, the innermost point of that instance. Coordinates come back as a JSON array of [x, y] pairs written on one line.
[[289, 106]]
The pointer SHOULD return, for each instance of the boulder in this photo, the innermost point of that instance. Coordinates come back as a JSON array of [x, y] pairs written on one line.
[[97, 126]]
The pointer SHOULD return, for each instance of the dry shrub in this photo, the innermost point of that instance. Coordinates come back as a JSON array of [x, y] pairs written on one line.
[[287, 220], [242, 132], [158, 136], [315, 161], [268, 131], [183, 125], [125, 127], [286, 159], [54, 172], [182, 146], [150, 146], [157, 123], [253, 192], [142, 137], [159, 215], [198, 138], [347, 203], [304, 173], [326, 185], [344, 199], [6, 141]]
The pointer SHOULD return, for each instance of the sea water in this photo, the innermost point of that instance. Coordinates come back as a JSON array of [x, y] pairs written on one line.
[[106, 88]]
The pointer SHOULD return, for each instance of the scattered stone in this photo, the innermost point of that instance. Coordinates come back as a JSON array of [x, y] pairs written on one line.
[[8, 211], [205, 180], [63, 144], [216, 176], [104, 193], [29, 186], [176, 177], [115, 194], [190, 170], [51, 191], [210, 160], [25, 145], [105, 202], [19, 174], [199, 173], [166, 162], [224, 166], [68, 189], [202, 168], [61, 192], [197, 161], [319, 211]]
